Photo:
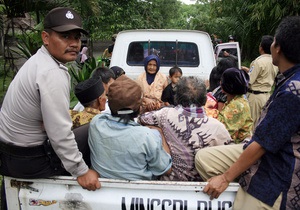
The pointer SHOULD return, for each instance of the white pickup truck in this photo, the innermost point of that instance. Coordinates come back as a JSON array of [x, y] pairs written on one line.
[[64, 193], [193, 52]]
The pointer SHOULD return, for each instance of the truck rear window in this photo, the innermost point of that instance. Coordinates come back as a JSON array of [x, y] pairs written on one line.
[[183, 54]]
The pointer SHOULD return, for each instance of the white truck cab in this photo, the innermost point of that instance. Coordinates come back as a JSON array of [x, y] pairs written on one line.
[[191, 50]]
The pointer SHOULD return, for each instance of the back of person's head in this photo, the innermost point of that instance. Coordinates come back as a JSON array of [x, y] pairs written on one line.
[[118, 71], [235, 81], [124, 98], [88, 91], [231, 38], [149, 58], [190, 91], [174, 70], [217, 71], [224, 63], [104, 73], [114, 37], [266, 42], [287, 36]]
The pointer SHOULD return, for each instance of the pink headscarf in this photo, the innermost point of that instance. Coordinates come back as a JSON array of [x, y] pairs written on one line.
[[83, 54]]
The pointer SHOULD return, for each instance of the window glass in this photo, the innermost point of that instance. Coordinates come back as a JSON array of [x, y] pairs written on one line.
[[170, 53]]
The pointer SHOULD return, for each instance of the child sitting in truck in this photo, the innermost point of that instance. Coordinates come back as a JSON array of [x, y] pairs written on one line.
[[175, 73], [153, 83]]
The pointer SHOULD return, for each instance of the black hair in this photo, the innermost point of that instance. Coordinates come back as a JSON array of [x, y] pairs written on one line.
[[89, 104], [118, 71], [48, 30], [190, 90], [105, 73], [287, 36], [217, 71], [231, 37], [266, 42], [235, 81], [174, 70]]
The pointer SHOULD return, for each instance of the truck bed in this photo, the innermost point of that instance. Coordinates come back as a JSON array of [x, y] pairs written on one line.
[[63, 192]]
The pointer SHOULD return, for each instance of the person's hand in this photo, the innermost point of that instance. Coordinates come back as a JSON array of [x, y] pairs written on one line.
[[215, 186], [226, 54], [89, 180], [246, 69], [151, 105], [147, 102]]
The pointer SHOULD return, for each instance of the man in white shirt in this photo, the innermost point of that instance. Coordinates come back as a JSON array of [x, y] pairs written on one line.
[[36, 139]]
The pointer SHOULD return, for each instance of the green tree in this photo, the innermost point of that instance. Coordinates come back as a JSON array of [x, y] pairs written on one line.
[[249, 20]]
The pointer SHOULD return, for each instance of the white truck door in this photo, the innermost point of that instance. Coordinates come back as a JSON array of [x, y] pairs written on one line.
[[230, 46]]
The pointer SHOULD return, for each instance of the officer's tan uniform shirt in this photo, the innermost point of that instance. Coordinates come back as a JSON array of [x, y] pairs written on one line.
[[262, 73]]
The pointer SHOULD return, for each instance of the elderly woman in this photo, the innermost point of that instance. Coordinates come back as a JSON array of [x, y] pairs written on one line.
[[153, 83]]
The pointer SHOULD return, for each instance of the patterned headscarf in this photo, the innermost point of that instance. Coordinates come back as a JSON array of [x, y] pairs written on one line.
[[235, 81]]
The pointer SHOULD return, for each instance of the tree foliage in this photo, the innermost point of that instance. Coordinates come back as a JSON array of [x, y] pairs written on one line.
[[249, 20]]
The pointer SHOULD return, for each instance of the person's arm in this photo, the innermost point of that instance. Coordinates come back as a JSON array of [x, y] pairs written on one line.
[[149, 118], [244, 68], [163, 139], [166, 83], [164, 144], [227, 54], [54, 95], [234, 116], [254, 71], [166, 95], [167, 104], [220, 105], [218, 184]]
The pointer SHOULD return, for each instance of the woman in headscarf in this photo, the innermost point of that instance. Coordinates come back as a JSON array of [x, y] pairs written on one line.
[[235, 114], [153, 83], [84, 56]]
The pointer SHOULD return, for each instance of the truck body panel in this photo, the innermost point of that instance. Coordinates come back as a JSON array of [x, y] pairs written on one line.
[[63, 192]]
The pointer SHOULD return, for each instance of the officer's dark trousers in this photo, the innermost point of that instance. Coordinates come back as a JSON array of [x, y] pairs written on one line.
[[40, 161]]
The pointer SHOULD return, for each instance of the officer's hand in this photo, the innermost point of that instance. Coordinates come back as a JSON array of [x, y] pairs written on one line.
[[89, 180]]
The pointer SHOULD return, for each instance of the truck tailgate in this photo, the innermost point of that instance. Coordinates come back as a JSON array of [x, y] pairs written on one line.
[[63, 192]]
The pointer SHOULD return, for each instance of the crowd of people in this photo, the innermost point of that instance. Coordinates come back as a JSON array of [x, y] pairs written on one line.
[[243, 127]]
